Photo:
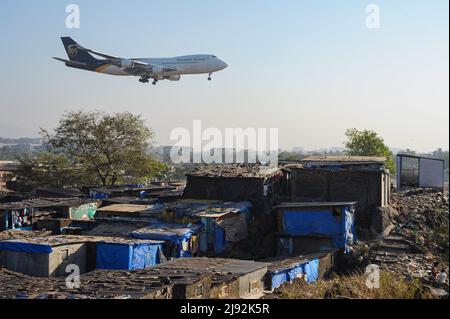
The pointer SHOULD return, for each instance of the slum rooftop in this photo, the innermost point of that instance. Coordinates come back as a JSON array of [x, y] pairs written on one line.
[[20, 234], [45, 202], [312, 204], [235, 170], [58, 240], [213, 265], [346, 159], [102, 284], [124, 208], [61, 192], [8, 165]]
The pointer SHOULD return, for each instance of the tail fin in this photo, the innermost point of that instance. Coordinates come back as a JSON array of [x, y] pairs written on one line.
[[74, 53]]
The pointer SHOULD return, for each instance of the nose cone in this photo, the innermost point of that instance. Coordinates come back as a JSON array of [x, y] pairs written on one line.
[[221, 64]]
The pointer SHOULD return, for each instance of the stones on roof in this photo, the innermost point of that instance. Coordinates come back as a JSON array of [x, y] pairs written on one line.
[[235, 170]]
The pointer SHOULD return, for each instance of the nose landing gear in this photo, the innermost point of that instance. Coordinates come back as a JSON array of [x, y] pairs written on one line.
[[209, 77]]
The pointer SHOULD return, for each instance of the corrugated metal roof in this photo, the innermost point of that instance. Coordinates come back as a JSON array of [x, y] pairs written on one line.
[[124, 208], [214, 265], [282, 263]]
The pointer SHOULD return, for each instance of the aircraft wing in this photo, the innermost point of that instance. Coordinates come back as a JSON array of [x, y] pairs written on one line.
[[138, 67], [147, 69]]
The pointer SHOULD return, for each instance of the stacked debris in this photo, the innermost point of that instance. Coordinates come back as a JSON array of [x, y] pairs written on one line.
[[424, 219], [419, 236], [20, 234]]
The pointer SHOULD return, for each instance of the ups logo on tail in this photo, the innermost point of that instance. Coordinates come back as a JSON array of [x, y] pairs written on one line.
[[72, 50]]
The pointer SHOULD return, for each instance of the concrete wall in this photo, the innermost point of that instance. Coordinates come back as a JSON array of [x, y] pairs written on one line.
[[46, 265], [33, 264], [252, 284], [199, 289], [327, 264], [64, 255], [228, 189], [163, 293], [227, 289]]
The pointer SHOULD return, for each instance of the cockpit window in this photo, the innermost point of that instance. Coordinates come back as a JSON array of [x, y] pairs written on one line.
[[213, 56]]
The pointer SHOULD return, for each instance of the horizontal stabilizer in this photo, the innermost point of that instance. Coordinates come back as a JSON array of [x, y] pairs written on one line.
[[73, 63]]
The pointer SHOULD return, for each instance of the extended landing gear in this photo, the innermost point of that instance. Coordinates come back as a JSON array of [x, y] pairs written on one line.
[[144, 79], [209, 77]]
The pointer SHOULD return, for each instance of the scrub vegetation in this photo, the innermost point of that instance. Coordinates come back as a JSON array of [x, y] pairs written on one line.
[[354, 287]]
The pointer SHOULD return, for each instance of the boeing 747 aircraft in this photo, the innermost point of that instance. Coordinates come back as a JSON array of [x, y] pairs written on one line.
[[145, 68]]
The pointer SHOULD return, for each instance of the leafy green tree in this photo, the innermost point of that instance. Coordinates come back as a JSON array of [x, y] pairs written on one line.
[[440, 154], [368, 143], [111, 147]]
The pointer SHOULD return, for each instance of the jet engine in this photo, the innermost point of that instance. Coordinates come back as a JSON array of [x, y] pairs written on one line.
[[128, 64], [157, 70], [173, 77]]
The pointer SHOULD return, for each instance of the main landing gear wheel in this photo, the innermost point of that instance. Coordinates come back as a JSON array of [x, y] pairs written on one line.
[[143, 79], [154, 82]]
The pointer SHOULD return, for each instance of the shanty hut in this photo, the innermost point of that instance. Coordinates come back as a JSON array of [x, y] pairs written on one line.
[[46, 256], [128, 254], [249, 274], [180, 240], [309, 267], [235, 182], [224, 223], [20, 215], [314, 226], [360, 179], [127, 212]]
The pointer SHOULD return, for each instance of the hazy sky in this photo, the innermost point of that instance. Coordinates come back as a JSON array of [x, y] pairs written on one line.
[[310, 68]]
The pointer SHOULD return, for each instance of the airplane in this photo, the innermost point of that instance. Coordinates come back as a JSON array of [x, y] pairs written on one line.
[[145, 68]]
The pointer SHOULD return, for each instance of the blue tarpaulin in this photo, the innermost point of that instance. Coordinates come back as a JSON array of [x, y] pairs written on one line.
[[340, 228], [178, 234], [219, 239], [98, 195], [127, 256], [25, 247], [309, 268]]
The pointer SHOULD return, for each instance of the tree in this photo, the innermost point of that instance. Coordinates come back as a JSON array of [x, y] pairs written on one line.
[[111, 147], [50, 169], [289, 156], [368, 143]]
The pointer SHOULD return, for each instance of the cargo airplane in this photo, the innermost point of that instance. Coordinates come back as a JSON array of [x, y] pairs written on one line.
[[145, 68]]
